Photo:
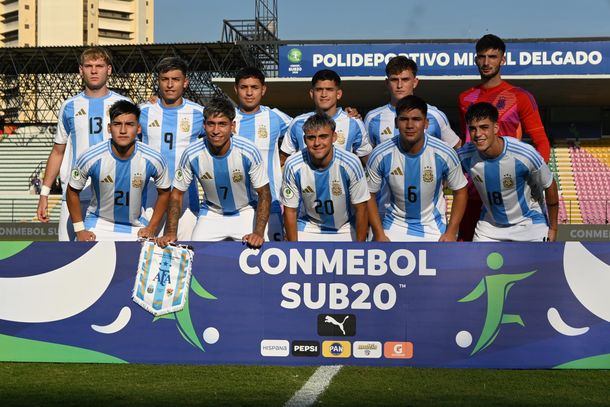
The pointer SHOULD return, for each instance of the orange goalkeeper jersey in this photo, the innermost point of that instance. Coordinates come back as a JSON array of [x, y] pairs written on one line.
[[518, 113]]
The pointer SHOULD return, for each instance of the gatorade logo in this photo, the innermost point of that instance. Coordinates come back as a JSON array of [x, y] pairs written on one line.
[[398, 350]]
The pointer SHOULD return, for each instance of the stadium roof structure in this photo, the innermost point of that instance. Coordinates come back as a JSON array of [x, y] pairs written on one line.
[[35, 81]]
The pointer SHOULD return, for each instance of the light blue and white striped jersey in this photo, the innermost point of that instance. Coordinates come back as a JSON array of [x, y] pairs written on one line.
[[228, 181], [380, 125], [264, 128], [169, 130], [416, 183], [351, 134], [118, 185], [83, 122], [324, 197], [511, 185]]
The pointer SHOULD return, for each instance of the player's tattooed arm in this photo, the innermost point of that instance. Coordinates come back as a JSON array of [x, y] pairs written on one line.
[[256, 238], [174, 210]]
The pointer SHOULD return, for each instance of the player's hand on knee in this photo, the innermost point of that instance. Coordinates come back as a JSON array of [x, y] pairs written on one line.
[[85, 236], [146, 232], [164, 240], [253, 240]]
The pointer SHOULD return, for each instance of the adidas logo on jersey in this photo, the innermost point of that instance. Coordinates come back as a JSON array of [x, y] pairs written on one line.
[[397, 171], [387, 131], [308, 190], [477, 178], [207, 175], [154, 123], [81, 112], [108, 180]]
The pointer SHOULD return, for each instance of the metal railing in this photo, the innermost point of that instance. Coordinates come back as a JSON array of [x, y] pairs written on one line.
[[23, 209]]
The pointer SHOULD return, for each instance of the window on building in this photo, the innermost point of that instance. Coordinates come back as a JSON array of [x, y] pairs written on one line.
[[11, 36], [115, 34], [10, 17], [115, 15]]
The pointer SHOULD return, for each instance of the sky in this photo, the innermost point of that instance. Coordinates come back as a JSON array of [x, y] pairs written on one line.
[[179, 21]]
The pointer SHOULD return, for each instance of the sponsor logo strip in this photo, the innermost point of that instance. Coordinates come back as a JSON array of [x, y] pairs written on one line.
[[305, 348], [336, 349], [398, 350], [367, 349], [275, 348]]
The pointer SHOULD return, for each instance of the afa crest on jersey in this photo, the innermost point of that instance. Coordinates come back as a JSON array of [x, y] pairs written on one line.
[[185, 125], [137, 181], [508, 182], [237, 176], [340, 137], [262, 132], [428, 174], [336, 188]]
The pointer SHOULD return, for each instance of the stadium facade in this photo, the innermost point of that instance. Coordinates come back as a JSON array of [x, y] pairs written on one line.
[[32, 23]]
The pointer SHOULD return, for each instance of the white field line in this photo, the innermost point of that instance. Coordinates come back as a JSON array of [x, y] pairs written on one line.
[[315, 386]]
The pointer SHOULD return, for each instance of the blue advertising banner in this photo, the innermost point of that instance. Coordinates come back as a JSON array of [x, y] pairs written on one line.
[[436, 305], [446, 59]]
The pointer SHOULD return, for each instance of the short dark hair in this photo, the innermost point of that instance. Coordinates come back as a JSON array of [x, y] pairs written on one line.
[[490, 41], [123, 107], [480, 111], [400, 63], [171, 63], [317, 121], [411, 102], [326, 75], [219, 106], [249, 72]]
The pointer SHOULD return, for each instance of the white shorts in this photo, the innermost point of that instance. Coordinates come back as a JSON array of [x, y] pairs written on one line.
[[214, 227], [397, 232], [106, 231], [523, 232], [344, 234], [186, 223]]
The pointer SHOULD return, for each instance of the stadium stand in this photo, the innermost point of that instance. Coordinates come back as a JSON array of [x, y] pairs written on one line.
[[23, 154], [561, 165], [590, 161]]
